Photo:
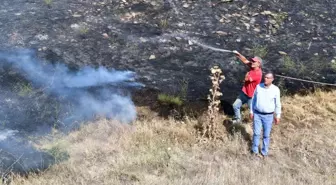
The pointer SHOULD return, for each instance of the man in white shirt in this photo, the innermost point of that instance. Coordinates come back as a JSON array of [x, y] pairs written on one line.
[[265, 103]]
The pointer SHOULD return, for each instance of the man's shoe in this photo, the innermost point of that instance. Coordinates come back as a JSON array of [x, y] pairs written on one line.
[[255, 156], [264, 156]]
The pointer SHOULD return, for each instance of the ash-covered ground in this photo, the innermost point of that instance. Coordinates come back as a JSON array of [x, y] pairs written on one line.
[[151, 37]]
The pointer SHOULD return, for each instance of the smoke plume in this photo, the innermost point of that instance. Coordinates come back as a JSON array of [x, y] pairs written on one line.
[[36, 96], [75, 86]]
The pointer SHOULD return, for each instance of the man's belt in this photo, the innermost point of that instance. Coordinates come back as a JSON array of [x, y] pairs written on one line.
[[263, 113]]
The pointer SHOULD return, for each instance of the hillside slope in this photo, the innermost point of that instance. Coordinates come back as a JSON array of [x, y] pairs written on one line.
[[158, 151], [152, 37]]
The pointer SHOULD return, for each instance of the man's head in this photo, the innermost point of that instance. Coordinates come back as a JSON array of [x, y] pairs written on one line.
[[256, 62], [268, 78]]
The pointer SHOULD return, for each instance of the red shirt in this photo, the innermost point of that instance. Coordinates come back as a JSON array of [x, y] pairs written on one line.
[[255, 78]]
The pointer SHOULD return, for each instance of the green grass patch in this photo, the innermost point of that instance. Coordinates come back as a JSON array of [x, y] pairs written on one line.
[[164, 23], [23, 89], [169, 99], [48, 2], [260, 51], [58, 151], [280, 17], [288, 63]]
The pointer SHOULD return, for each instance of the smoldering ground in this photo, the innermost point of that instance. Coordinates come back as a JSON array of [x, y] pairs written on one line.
[[37, 96]]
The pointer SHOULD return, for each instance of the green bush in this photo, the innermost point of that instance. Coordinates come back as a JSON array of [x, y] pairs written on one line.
[[48, 2], [23, 89], [260, 51], [58, 152], [169, 99]]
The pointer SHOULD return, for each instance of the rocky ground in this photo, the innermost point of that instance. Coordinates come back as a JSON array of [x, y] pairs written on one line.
[[295, 38]]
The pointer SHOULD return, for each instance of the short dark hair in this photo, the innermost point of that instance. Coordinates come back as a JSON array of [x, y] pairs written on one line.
[[269, 72]]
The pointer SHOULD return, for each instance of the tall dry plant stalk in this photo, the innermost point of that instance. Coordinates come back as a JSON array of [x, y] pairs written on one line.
[[210, 125]]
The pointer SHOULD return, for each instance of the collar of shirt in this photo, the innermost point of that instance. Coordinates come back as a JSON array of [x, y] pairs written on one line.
[[263, 86]]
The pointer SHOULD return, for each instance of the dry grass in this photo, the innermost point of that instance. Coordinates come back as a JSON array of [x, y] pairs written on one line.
[[158, 151]]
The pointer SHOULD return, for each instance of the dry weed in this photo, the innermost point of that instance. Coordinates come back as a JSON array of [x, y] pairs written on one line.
[[212, 119]]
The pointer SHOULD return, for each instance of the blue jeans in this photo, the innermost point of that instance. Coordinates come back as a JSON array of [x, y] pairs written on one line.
[[241, 100], [264, 122]]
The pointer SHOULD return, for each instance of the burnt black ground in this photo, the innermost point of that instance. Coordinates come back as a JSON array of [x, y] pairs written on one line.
[[71, 32]]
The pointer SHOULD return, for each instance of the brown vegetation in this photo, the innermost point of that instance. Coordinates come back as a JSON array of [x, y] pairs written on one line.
[[165, 151], [210, 122]]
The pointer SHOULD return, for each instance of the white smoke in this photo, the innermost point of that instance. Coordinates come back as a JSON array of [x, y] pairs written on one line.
[[61, 97], [4, 134], [59, 80]]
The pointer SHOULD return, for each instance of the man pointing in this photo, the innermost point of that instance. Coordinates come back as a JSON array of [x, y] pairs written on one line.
[[251, 80]]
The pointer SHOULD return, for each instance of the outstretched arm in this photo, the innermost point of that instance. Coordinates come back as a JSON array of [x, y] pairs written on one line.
[[241, 57]]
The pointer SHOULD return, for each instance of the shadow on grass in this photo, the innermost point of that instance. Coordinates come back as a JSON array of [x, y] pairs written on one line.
[[244, 129]]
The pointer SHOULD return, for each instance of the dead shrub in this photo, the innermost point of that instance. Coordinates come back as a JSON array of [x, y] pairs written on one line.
[[210, 121]]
